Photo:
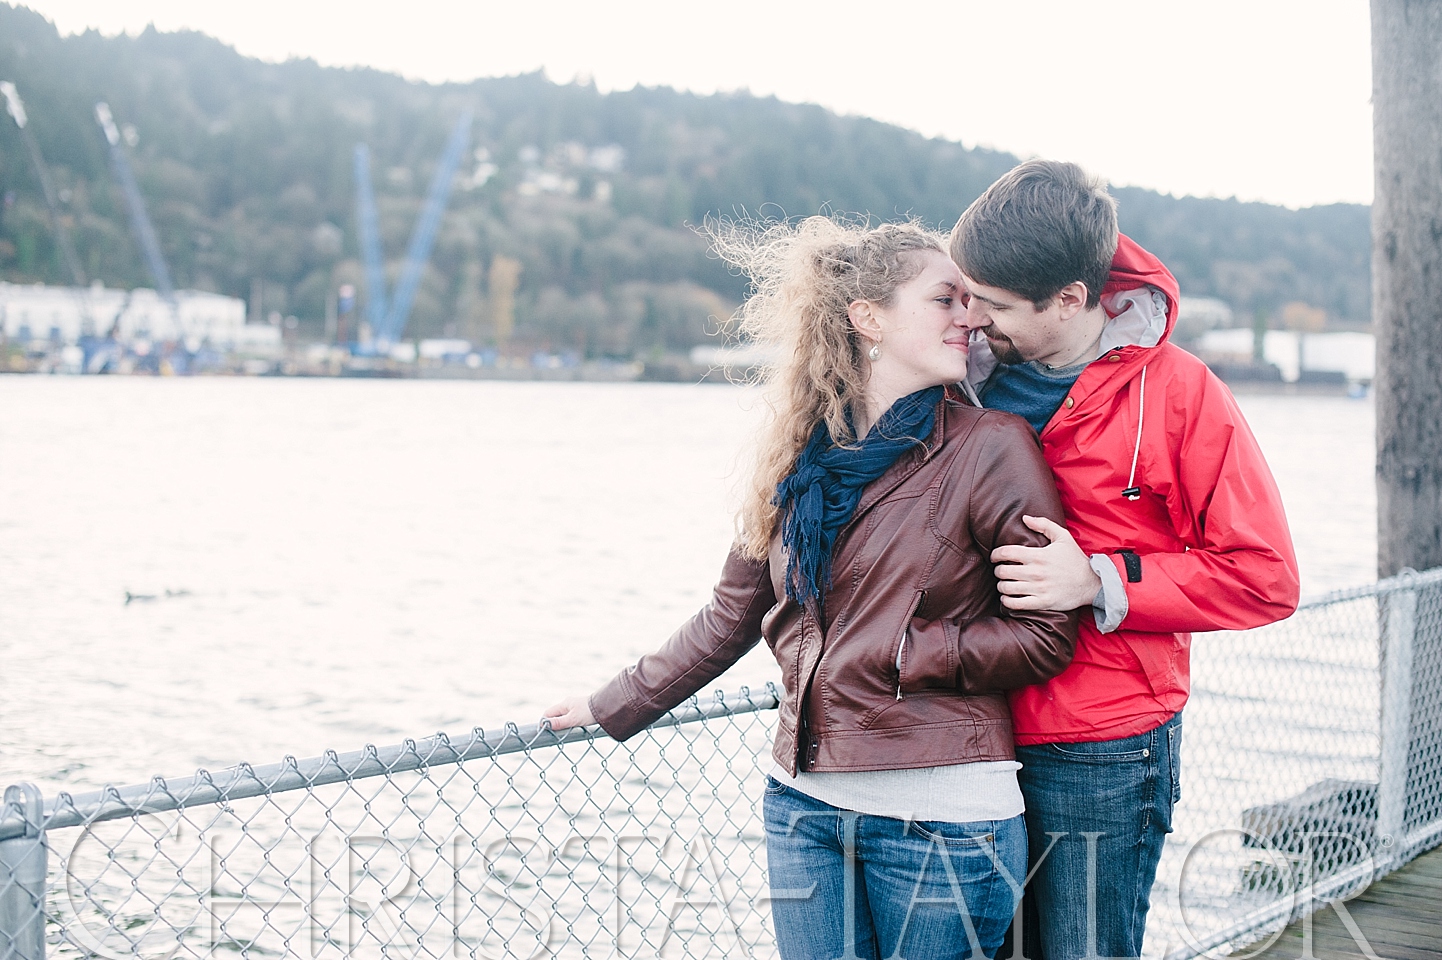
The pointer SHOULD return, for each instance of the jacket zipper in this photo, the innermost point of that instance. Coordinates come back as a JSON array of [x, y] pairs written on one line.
[[905, 635], [900, 653]]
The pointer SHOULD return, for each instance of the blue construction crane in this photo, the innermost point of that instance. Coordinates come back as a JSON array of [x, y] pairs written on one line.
[[16, 108], [370, 241], [388, 316], [139, 219]]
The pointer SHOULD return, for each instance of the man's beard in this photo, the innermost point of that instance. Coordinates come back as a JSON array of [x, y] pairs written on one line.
[[1003, 349]]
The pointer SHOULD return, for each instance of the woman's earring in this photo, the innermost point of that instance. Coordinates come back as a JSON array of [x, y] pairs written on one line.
[[874, 354]]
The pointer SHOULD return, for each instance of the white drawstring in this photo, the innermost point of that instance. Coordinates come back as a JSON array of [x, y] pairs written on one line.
[[1133, 492]]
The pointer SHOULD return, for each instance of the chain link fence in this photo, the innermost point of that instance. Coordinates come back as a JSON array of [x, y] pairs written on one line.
[[1313, 763]]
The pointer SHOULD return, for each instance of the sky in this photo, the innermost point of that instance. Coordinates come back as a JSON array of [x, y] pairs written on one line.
[[1255, 99]]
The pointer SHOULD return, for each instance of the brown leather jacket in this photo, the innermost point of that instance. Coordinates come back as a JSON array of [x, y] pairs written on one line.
[[911, 570]]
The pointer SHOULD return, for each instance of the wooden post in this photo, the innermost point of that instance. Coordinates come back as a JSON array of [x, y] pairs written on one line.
[[1407, 310], [1407, 280]]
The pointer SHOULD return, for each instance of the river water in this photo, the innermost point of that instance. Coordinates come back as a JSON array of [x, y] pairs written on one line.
[[322, 563]]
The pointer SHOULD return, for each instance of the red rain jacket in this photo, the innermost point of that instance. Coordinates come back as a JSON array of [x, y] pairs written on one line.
[[1209, 529]]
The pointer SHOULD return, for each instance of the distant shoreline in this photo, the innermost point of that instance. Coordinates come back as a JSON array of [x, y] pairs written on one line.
[[665, 373], [1274, 388]]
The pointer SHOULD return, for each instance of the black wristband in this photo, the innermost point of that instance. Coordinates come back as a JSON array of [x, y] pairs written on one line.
[[1133, 563]]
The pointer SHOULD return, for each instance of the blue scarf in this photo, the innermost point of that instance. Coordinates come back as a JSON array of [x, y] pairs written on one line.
[[821, 493]]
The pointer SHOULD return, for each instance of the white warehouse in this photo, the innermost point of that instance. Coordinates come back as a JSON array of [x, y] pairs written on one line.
[[39, 312]]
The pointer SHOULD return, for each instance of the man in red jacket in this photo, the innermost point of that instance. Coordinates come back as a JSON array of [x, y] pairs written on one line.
[[1174, 524]]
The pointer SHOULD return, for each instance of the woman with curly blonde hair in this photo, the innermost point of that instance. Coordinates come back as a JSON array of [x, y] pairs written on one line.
[[892, 812]]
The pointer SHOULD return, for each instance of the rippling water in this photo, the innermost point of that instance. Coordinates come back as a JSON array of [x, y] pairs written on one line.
[[334, 562]]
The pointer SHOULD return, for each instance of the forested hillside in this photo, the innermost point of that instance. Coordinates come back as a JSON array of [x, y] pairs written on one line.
[[247, 170]]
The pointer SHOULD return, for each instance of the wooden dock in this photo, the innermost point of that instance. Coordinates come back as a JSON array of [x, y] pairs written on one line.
[[1400, 917]]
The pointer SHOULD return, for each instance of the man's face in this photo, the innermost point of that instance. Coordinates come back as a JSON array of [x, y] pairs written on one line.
[[1014, 328]]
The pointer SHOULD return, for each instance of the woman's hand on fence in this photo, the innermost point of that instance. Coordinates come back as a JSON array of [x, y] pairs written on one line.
[[570, 712]]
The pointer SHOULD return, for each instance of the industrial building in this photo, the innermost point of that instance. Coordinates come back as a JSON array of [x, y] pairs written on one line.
[[31, 312]]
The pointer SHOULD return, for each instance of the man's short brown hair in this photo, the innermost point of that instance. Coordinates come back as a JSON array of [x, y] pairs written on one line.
[[1043, 225]]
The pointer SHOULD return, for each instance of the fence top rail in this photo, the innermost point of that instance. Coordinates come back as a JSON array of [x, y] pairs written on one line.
[[1406, 580], [244, 781]]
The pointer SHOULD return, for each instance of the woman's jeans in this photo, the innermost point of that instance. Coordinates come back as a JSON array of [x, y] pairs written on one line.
[[1097, 816], [850, 886]]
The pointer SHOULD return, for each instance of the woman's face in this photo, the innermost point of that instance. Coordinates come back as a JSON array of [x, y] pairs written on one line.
[[924, 329]]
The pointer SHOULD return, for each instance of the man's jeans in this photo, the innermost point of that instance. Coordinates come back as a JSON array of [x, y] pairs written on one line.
[[1111, 803], [849, 885]]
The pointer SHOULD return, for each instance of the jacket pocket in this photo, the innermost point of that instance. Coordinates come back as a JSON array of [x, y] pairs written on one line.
[[929, 658], [1157, 656]]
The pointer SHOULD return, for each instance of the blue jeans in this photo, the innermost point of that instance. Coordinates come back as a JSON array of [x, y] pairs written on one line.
[[1097, 817], [851, 886]]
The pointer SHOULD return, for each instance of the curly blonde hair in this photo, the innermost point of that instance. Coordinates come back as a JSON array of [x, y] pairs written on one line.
[[804, 277]]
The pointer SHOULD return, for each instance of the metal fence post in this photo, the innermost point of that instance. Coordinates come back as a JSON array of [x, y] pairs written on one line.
[[1398, 642], [22, 879]]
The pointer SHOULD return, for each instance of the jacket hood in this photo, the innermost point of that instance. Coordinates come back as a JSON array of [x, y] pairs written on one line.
[[1141, 298]]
